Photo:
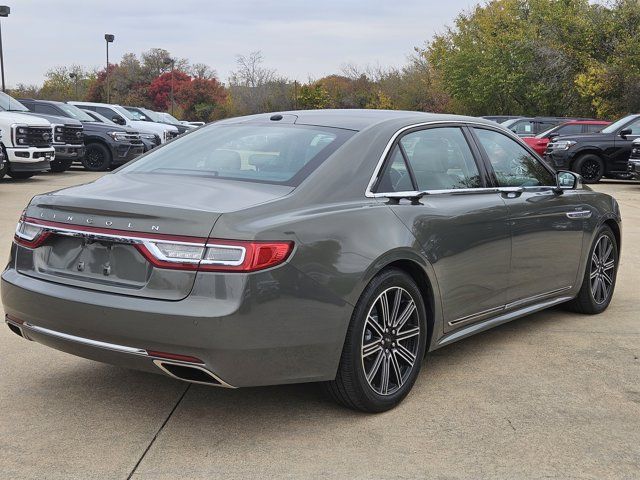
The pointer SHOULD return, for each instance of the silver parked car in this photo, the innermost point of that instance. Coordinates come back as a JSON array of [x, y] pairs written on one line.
[[312, 246]]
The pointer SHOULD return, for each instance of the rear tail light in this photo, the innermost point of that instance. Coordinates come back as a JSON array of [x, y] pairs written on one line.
[[216, 255], [28, 234], [168, 251]]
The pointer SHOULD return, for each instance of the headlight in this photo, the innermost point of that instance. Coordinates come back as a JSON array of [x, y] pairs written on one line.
[[118, 136], [58, 133], [20, 135], [562, 145], [148, 136]]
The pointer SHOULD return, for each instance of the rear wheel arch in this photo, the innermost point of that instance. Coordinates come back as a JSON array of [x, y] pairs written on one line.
[[615, 228], [417, 272]]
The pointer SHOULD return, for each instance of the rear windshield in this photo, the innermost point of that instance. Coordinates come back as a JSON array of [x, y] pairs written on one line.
[[278, 154]]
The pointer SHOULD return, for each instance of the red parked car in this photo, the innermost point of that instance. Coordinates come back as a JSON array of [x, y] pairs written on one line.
[[574, 127]]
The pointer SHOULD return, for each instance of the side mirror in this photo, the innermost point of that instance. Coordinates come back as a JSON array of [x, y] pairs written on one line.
[[553, 136], [623, 133], [117, 120], [567, 180]]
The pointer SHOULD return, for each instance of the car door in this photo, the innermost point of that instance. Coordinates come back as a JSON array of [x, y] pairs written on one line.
[[112, 115], [546, 226], [460, 225], [623, 146]]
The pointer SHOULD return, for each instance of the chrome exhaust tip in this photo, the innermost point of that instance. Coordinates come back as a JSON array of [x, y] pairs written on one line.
[[190, 373]]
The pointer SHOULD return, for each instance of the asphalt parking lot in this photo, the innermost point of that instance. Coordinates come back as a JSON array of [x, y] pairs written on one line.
[[553, 395]]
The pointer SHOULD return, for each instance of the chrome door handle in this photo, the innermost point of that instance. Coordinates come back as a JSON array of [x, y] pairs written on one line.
[[579, 214]]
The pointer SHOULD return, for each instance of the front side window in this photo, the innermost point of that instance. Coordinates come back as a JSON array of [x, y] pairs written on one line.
[[282, 154], [438, 159], [513, 165], [634, 127]]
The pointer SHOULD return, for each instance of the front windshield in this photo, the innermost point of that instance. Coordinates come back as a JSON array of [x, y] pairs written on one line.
[[615, 126], [76, 113], [100, 118], [278, 154], [8, 103], [124, 112], [546, 132], [137, 114], [171, 118]]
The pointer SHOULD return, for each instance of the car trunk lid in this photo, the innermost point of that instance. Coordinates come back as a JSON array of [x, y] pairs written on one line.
[[93, 226]]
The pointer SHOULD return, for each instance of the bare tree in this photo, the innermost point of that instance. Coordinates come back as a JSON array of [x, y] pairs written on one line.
[[255, 88]]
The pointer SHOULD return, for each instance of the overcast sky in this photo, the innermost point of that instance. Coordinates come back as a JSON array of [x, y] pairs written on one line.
[[300, 39]]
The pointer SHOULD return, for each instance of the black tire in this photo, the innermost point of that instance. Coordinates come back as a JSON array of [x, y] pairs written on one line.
[[5, 168], [589, 301], [590, 166], [59, 166], [97, 158], [351, 386], [21, 175]]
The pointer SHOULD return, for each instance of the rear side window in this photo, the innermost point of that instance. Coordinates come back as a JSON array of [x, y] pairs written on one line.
[[594, 128], [570, 129], [282, 154], [513, 165], [437, 158], [524, 127]]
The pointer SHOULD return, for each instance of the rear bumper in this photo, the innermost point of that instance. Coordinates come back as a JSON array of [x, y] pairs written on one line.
[[255, 329]]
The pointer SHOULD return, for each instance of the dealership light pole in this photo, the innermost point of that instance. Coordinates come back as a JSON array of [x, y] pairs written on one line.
[[4, 12], [172, 62], [109, 39], [74, 76]]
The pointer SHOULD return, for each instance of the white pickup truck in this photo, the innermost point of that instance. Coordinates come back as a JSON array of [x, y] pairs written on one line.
[[26, 142]]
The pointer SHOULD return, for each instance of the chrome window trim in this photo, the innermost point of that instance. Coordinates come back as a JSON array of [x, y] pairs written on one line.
[[455, 124]]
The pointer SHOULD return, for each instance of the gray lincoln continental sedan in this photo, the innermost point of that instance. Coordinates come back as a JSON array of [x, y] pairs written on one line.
[[310, 246]]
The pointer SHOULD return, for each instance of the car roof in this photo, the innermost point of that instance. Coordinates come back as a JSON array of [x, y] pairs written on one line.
[[354, 119], [586, 122], [51, 102], [97, 104]]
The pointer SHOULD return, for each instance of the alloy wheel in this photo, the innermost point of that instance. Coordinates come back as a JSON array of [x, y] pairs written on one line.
[[95, 158], [390, 341], [603, 264], [591, 170]]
